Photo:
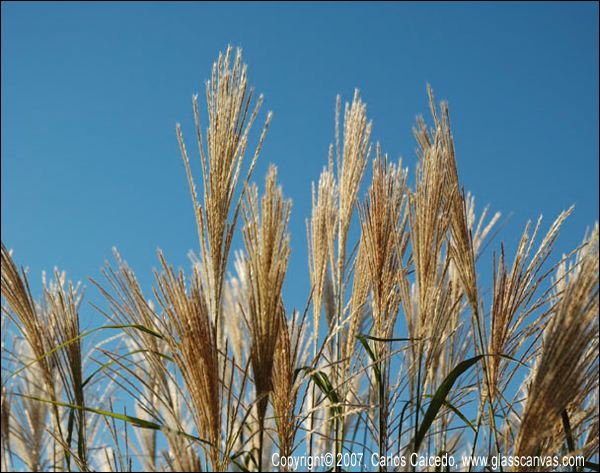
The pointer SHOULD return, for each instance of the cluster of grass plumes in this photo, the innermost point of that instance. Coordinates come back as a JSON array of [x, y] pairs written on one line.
[[403, 345]]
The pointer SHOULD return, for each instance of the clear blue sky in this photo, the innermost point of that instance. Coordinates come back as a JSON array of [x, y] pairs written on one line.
[[91, 94]]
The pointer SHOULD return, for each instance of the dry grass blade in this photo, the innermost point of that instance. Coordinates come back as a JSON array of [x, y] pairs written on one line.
[[321, 239], [427, 308], [33, 327], [384, 240], [62, 309], [44, 327], [461, 244], [5, 414], [24, 420], [351, 168], [383, 235], [267, 251], [565, 357], [158, 396], [286, 382], [230, 119], [351, 159], [189, 333], [513, 292]]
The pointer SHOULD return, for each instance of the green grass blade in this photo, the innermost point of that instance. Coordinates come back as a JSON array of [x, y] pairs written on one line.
[[70, 424], [378, 339], [324, 384], [439, 398], [364, 341], [79, 337], [108, 363], [457, 411], [135, 421]]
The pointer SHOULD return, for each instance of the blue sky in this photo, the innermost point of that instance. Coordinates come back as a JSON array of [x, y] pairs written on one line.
[[91, 94]]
